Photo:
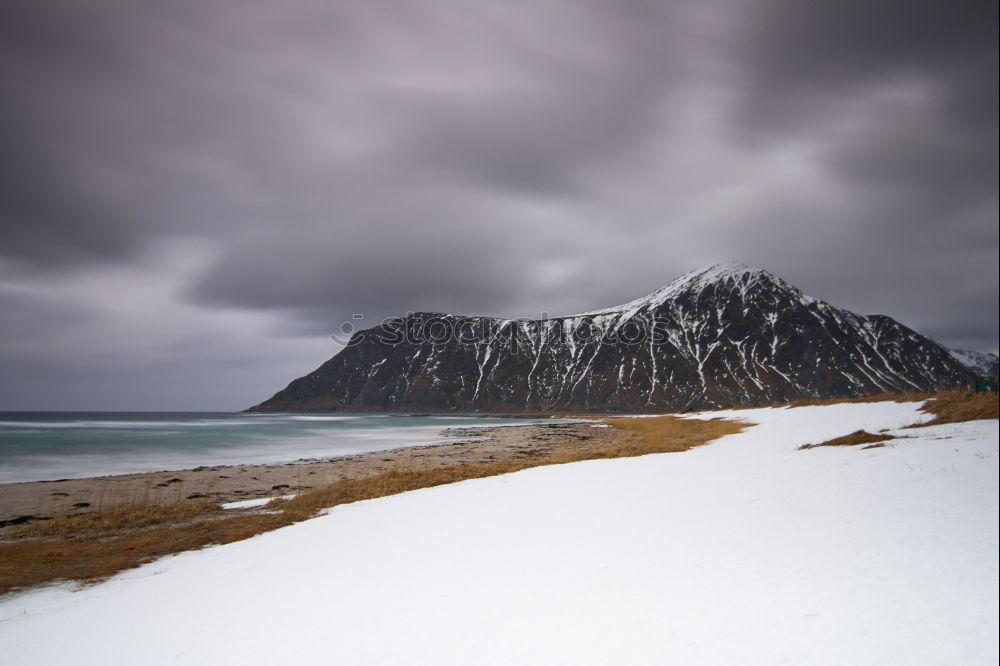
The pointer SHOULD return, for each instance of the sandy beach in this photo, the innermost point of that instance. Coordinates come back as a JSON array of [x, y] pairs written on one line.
[[37, 500]]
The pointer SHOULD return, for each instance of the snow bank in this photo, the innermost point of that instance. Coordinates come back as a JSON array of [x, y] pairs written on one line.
[[742, 552]]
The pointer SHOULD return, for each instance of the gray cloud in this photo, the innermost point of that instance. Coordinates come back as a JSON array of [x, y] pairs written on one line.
[[802, 59], [317, 159]]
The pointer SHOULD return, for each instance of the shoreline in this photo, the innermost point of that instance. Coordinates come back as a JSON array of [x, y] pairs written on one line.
[[23, 502]]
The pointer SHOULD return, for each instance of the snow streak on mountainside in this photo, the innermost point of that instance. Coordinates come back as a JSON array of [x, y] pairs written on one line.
[[721, 337]]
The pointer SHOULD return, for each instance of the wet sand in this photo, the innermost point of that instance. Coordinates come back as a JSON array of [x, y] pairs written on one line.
[[22, 502]]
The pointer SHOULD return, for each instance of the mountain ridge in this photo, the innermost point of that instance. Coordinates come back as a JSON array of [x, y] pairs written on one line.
[[725, 336], [985, 365]]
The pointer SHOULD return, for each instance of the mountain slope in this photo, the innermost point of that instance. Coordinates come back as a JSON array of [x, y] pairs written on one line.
[[725, 336], [985, 365]]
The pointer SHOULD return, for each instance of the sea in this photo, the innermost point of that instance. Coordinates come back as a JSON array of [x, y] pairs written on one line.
[[37, 446]]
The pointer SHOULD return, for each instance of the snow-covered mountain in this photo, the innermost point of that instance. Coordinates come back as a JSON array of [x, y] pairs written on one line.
[[986, 365], [725, 336]]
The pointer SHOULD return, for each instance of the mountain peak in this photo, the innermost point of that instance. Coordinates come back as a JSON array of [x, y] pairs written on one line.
[[733, 277], [722, 273], [725, 269]]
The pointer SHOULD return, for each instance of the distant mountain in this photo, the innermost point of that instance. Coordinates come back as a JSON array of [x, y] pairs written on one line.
[[986, 365], [721, 337]]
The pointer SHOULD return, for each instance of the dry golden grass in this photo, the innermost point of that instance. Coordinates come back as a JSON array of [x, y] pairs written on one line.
[[36, 562], [668, 434], [94, 546], [949, 406], [119, 520], [958, 406], [855, 438]]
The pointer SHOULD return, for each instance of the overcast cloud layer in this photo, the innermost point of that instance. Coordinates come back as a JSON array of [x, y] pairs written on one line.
[[194, 195]]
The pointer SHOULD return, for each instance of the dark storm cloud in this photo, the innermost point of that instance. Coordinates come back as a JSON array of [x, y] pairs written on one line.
[[419, 269], [905, 91], [48, 213], [324, 158], [51, 219], [812, 57], [59, 128], [583, 98], [178, 117], [130, 121], [906, 94]]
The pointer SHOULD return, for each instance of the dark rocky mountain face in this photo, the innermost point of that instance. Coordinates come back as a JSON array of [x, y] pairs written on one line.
[[726, 336]]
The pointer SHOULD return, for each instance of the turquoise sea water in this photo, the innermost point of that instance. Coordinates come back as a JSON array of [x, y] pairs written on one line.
[[60, 445]]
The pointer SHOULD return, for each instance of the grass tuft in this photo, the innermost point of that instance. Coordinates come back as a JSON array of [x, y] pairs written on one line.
[[855, 438], [668, 434], [958, 406]]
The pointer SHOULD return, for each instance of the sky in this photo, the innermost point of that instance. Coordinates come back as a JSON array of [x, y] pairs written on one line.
[[195, 195]]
